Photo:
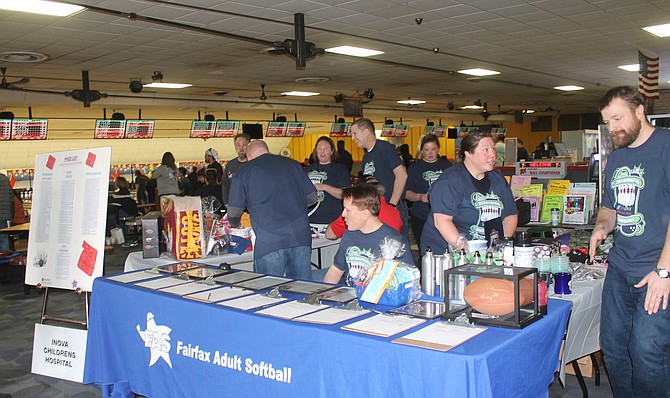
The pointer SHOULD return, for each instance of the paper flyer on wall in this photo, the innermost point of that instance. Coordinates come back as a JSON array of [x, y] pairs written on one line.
[[67, 228]]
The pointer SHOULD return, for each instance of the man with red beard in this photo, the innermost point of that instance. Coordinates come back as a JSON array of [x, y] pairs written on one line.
[[635, 321]]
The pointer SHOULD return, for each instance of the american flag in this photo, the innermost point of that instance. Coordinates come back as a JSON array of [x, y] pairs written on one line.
[[648, 77]]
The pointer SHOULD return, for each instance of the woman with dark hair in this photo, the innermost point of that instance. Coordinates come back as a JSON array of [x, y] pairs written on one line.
[[211, 188], [166, 176], [328, 177], [420, 176], [469, 199], [403, 151]]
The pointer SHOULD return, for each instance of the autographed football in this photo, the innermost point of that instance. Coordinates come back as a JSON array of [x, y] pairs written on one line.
[[494, 296]]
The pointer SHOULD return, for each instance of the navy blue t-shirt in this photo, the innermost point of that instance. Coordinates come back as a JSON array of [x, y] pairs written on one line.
[[274, 190], [380, 162], [455, 194], [420, 176], [637, 187], [336, 175], [358, 250]]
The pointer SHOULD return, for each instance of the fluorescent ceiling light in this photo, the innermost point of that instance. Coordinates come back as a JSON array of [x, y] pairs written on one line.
[[167, 85], [478, 72], [659, 30], [630, 68], [472, 107], [528, 111], [300, 93], [412, 102], [569, 88], [354, 51], [40, 7]]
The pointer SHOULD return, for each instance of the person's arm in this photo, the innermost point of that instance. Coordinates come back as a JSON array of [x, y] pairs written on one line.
[[446, 227], [334, 191], [658, 289], [416, 197], [336, 228], [604, 225], [509, 224], [399, 184], [333, 275], [235, 217]]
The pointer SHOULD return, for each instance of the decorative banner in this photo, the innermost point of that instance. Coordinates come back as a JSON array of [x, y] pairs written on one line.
[[69, 215]]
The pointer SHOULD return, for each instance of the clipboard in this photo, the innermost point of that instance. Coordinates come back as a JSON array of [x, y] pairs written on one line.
[[440, 336]]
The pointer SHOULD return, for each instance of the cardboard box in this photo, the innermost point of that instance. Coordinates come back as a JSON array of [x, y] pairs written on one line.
[[151, 234], [585, 364]]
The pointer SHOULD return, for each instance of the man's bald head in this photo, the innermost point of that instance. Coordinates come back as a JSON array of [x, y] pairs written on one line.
[[257, 148]]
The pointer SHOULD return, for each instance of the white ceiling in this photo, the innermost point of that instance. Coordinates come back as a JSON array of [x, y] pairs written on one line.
[[535, 44]]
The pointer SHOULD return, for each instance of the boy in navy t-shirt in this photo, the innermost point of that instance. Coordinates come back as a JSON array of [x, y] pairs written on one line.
[[360, 244]]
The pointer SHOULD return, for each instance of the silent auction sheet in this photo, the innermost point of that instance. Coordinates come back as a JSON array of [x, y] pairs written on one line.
[[67, 226]]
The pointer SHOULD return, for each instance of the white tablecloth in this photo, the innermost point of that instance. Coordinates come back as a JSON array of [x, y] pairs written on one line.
[[583, 333], [323, 252]]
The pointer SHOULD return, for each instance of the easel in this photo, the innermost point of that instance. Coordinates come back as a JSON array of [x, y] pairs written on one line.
[[44, 317]]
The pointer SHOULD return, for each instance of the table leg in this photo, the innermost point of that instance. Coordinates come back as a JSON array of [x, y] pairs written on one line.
[[580, 378], [597, 368]]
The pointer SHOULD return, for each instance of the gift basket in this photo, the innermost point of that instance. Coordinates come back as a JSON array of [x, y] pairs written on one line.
[[388, 281]]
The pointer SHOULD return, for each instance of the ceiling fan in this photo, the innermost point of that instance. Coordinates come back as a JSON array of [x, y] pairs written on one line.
[[11, 85]]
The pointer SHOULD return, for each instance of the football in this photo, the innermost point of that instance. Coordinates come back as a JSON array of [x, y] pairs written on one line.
[[492, 296]]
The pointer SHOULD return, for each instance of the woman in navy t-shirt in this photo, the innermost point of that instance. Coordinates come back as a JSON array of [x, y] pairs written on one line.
[[420, 176], [328, 177], [469, 199]]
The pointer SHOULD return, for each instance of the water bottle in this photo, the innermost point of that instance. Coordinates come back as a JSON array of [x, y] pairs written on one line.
[[489, 259], [477, 258], [439, 275], [428, 272]]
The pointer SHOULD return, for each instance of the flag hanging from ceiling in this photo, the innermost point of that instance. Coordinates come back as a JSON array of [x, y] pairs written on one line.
[[648, 77]]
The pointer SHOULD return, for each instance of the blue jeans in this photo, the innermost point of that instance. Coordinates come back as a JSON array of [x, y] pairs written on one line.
[[634, 343], [294, 262], [404, 216]]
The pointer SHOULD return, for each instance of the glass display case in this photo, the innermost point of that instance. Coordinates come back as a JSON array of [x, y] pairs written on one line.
[[492, 295]]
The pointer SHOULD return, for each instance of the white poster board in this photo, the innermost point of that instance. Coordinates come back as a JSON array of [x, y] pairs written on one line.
[[68, 216], [59, 352]]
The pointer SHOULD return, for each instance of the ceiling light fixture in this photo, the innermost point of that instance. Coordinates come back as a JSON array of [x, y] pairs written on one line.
[[659, 30], [40, 7], [157, 82], [353, 51], [630, 67], [569, 88], [479, 72], [300, 93], [411, 102]]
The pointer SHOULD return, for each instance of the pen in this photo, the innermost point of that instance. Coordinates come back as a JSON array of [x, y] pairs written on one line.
[[209, 296]]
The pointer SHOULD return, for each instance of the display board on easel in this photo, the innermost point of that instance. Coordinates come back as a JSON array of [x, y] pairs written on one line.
[[67, 229]]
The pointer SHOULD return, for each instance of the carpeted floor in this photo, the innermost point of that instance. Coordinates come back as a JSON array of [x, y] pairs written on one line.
[[20, 313]]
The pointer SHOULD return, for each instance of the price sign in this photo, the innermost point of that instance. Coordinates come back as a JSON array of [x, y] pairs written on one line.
[[546, 170]]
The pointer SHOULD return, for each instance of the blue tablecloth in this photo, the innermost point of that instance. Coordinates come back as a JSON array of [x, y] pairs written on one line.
[[162, 345]]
